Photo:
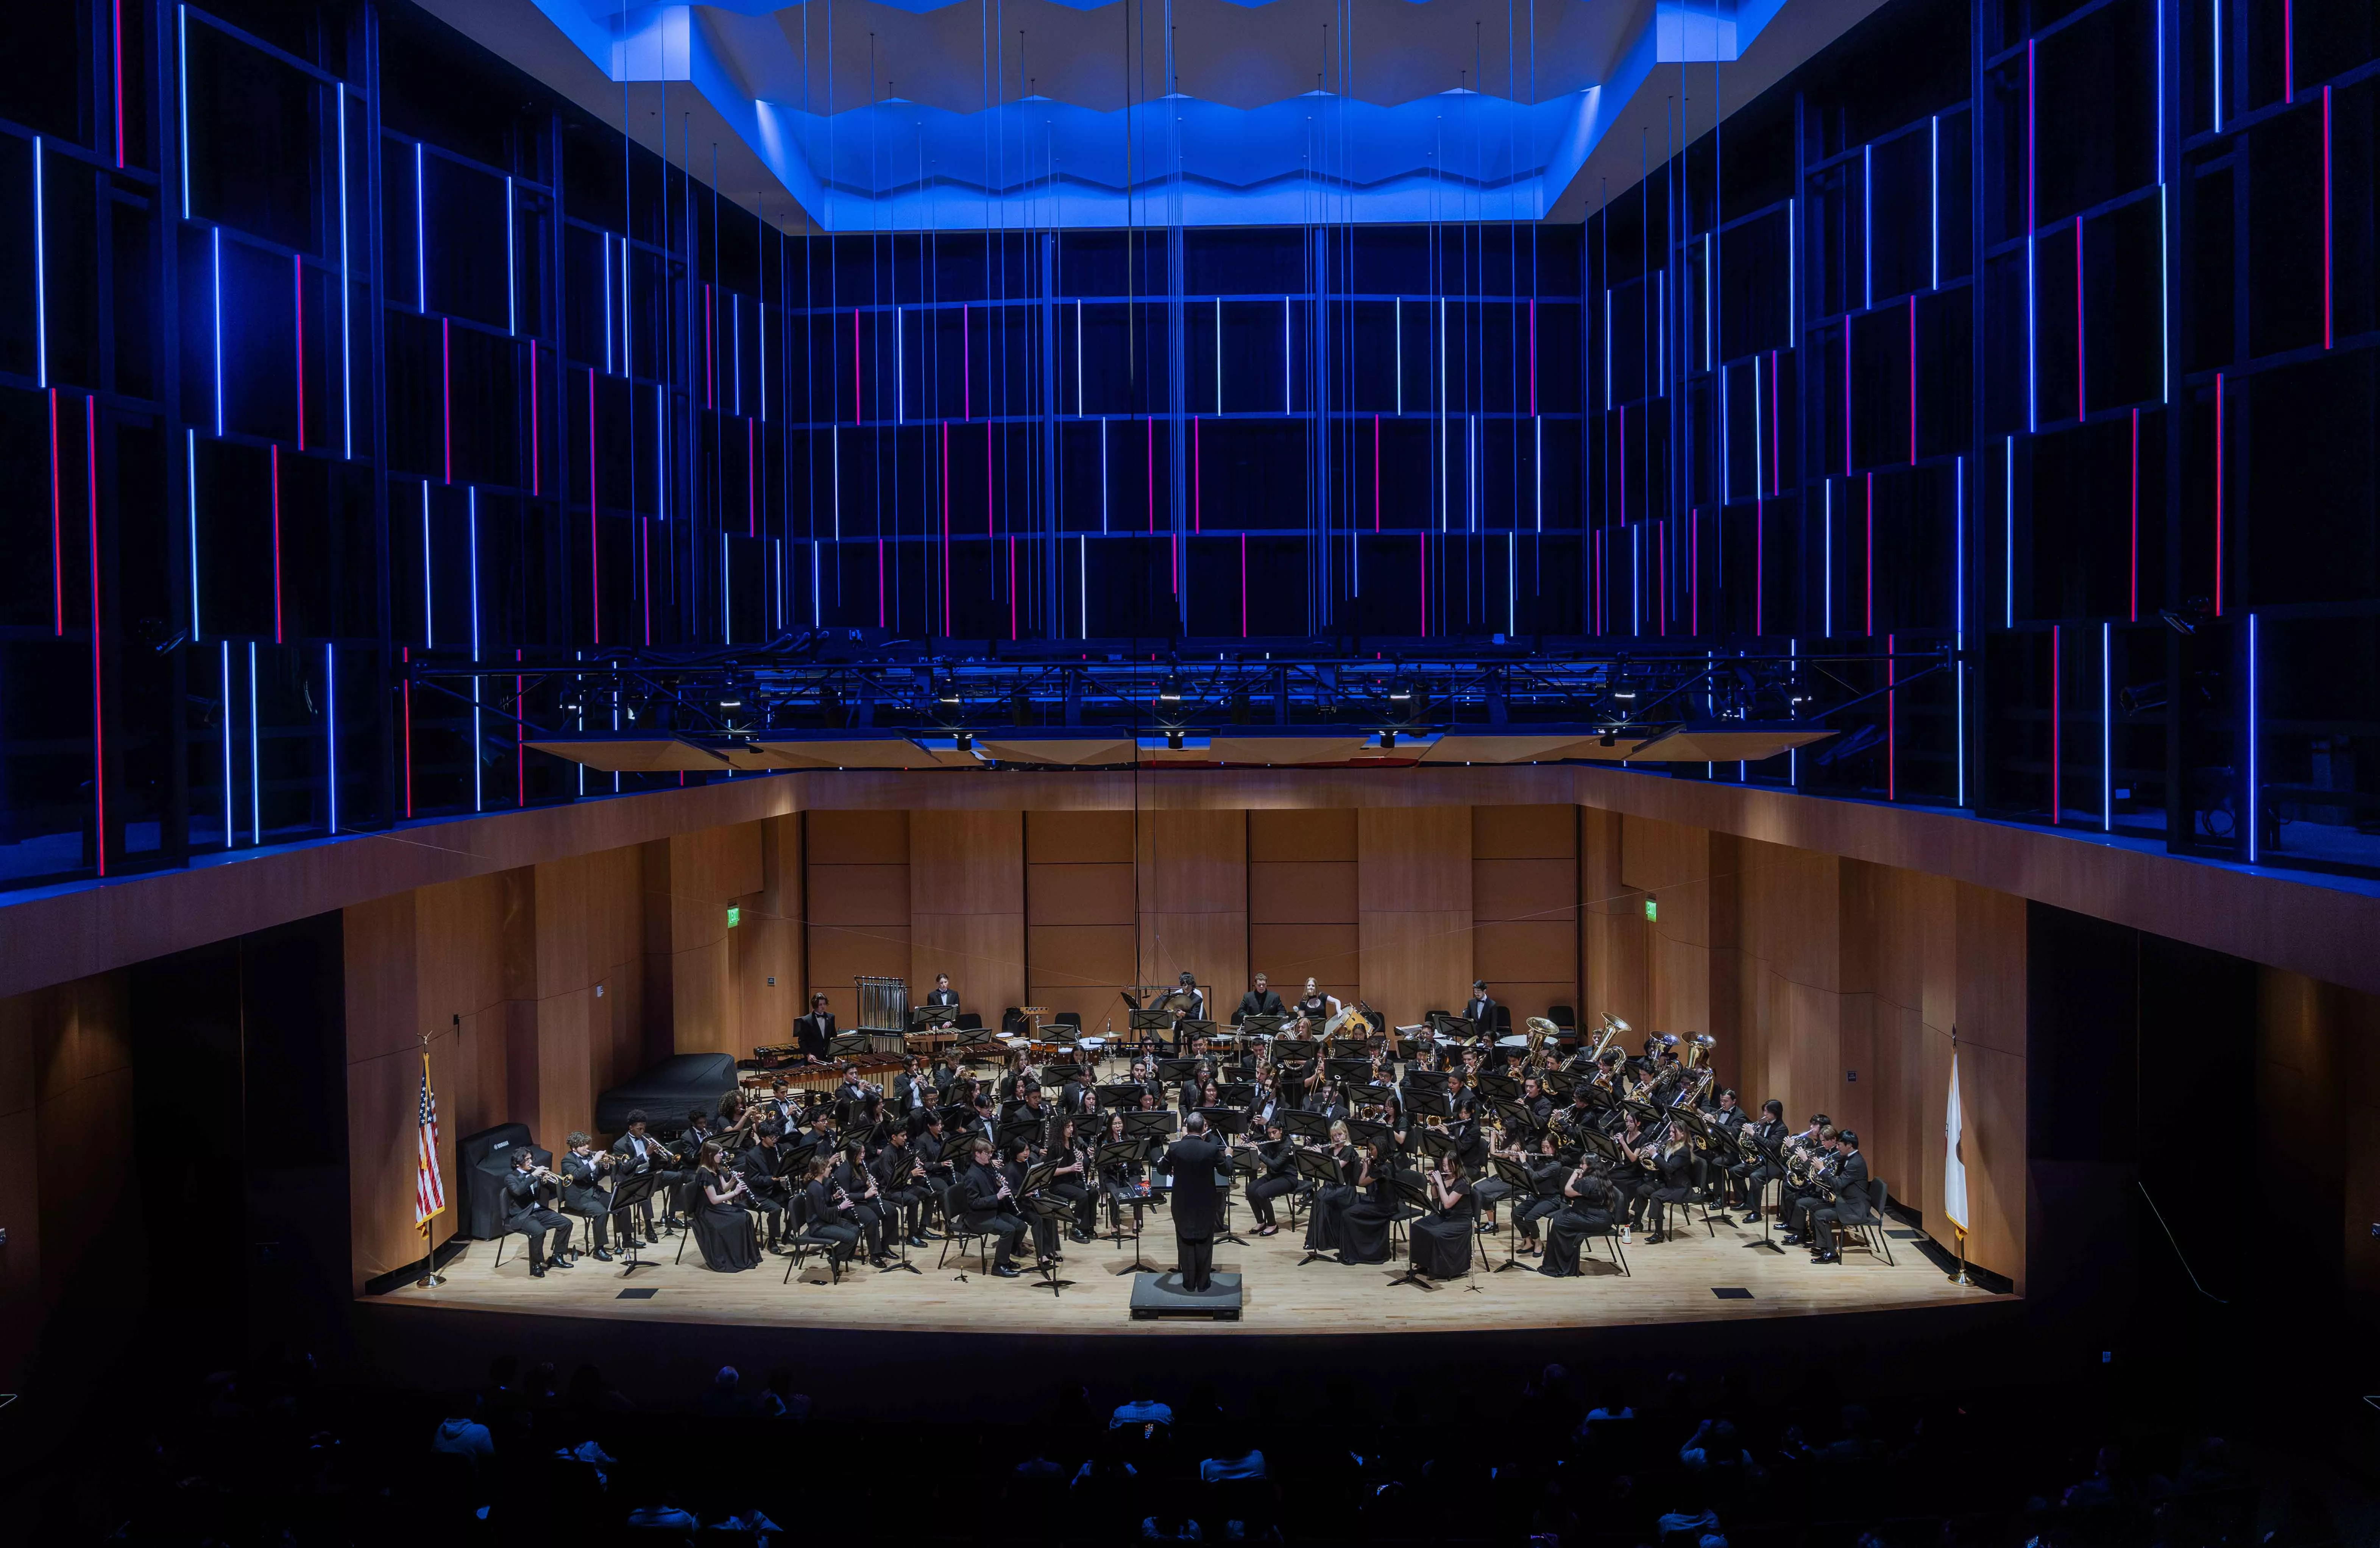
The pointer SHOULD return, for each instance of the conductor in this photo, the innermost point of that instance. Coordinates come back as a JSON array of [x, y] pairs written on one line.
[[1193, 1158]]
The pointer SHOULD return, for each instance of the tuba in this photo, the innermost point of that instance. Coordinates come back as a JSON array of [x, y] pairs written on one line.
[[1612, 1027], [1698, 1048]]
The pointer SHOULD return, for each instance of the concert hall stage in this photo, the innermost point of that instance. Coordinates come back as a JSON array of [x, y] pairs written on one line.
[[1694, 1277]]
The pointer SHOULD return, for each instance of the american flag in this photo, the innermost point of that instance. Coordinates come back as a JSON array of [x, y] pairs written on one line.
[[429, 1193]]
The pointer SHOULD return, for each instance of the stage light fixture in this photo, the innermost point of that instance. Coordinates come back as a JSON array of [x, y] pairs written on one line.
[[1170, 691]]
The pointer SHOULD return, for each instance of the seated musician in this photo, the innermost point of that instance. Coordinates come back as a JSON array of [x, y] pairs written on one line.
[[639, 1154], [1848, 1205], [1590, 1205], [1548, 1171], [1121, 1181], [763, 1168], [1534, 1097], [1280, 1176], [913, 1089], [1330, 1200], [988, 1205], [1807, 1202], [525, 1211], [1804, 1152], [1634, 1174], [869, 1209], [1751, 1175], [584, 1192], [1070, 1176], [936, 1150], [1261, 1000], [814, 1033], [833, 1213], [900, 1169], [1022, 1157]]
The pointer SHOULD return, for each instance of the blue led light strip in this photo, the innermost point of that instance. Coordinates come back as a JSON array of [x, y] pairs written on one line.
[[230, 838]]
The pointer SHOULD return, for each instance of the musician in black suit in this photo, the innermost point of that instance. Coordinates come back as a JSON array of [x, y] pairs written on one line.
[[831, 1212], [1749, 1176], [870, 1209], [1480, 1009], [1197, 1214], [897, 1168], [1850, 1205], [945, 998], [1280, 1177], [763, 1170], [585, 1192], [987, 1205], [1261, 1000], [639, 1154], [526, 1212], [814, 1033], [913, 1089]]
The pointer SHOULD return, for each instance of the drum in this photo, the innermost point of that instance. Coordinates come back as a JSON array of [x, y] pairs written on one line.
[[1517, 1045]]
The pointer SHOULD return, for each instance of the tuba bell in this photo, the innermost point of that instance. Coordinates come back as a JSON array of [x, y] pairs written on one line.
[[1698, 1048]]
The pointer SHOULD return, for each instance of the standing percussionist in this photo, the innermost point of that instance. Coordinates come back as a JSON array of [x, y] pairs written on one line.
[[585, 1192], [1480, 1011], [526, 1212], [943, 1000], [1260, 1000], [814, 1033]]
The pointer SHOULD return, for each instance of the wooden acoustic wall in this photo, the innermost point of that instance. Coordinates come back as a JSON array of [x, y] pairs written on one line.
[[1833, 985], [858, 902], [1081, 916], [1193, 901], [1524, 906], [967, 907], [1303, 919], [1412, 867]]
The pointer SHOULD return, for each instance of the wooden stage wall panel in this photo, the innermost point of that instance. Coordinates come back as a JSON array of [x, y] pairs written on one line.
[[766, 951], [1414, 909], [857, 866], [1524, 906], [1193, 902], [967, 907], [1081, 924], [1302, 900]]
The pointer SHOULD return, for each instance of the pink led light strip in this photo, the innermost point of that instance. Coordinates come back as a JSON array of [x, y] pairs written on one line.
[[275, 458], [98, 699], [594, 537]]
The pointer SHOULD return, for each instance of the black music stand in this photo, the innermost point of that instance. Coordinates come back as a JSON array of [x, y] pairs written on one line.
[[1459, 1028], [1123, 1096], [1154, 1027], [1226, 1124], [1367, 1132], [926, 1018], [1432, 1142], [1120, 1153], [1262, 1023], [1156, 1127], [1426, 1082], [1358, 1071], [1516, 1117], [1498, 1088], [1767, 1154], [1413, 1189], [1299, 1124], [1555, 1084], [1173, 1071], [1236, 1094], [1054, 1211], [626, 1194], [1525, 1191], [1321, 1168]]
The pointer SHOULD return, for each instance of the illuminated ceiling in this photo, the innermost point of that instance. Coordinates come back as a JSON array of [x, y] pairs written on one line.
[[940, 114]]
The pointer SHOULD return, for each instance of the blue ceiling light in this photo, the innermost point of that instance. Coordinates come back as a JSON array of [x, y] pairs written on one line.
[[886, 115]]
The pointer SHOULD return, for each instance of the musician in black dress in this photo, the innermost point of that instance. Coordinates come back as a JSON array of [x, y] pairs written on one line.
[[1330, 1199], [1672, 1183], [1280, 1177], [1850, 1205], [1633, 1175], [639, 1154], [1314, 1008], [767, 1189], [1588, 1209], [830, 1212], [527, 1212], [988, 1205], [584, 1192], [1440, 1240], [722, 1226], [1364, 1225], [1123, 1180], [1070, 1177]]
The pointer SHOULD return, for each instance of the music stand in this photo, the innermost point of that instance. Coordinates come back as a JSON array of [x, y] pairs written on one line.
[[1557, 1083], [1603, 1144], [926, 1018], [846, 1044], [1054, 1211], [1459, 1028], [1123, 1153], [1299, 1124], [1524, 1189], [1173, 1071], [1236, 1094], [1323, 1168], [626, 1194], [1426, 1082], [1413, 1189], [1515, 1117], [1356, 1069], [1262, 1023], [1498, 1087], [1769, 1159], [1369, 1131], [1123, 1096], [1433, 1143]]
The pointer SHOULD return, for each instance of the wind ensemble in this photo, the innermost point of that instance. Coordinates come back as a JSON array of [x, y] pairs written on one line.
[[1424, 1132]]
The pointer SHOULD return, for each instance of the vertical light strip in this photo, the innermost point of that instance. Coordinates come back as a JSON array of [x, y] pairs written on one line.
[[2165, 296], [511, 282], [2247, 817], [1867, 224], [2007, 619], [255, 767], [1219, 354], [2081, 397], [1288, 349], [2219, 494], [216, 246], [347, 344], [447, 392], [608, 367], [1958, 614], [727, 600], [1933, 195], [2032, 328], [2106, 728], [479, 790], [1082, 579], [1538, 469], [1892, 722], [1827, 516], [41, 278], [98, 701], [594, 527], [2132, 565], [2325, 221], [420, 241], [428, 610], [190, 478], [331, 726], [297, 315], [182, 103], [230, 717], [273, 464], [2057, 724], [2217, 8]]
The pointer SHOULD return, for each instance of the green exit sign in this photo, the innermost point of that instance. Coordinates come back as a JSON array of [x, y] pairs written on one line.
[[734, 916], [1652, 909]]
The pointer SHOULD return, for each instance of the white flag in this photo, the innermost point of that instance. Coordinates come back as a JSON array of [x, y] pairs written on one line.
[[1954, 1166]]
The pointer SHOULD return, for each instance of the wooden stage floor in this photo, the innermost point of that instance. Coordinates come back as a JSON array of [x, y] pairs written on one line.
[[1673, 1281]]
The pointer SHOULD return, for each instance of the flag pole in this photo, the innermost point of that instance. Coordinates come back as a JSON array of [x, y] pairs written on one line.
[[1961, 1277], [429, 1279]]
